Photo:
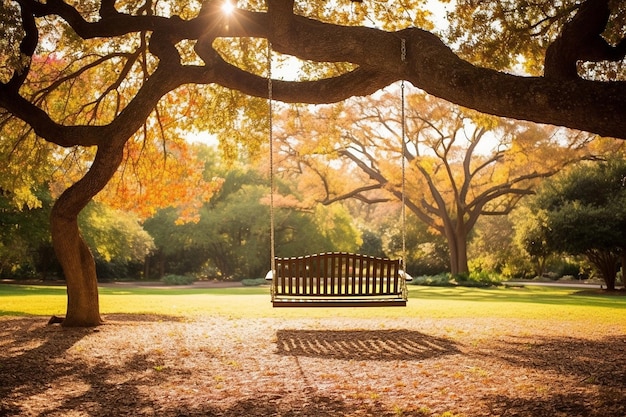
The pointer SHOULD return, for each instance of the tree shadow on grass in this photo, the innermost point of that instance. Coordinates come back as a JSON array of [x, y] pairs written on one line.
[[604, 404], [379, 345], [596, 365], [591, 361]]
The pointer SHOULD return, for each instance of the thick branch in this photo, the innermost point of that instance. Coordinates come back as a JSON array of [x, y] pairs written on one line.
[[581, 40], [594, 106]]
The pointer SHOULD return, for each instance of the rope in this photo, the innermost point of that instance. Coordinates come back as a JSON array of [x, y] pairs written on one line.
[[271, 147], [403, 137]]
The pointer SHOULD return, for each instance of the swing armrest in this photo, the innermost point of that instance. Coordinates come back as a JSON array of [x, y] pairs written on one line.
[[405, 275]]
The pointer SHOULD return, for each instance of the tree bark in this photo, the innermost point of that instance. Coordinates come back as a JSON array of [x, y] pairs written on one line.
[[606, 263], [457, 246], [79, 268], [623, 258], [77, 261]]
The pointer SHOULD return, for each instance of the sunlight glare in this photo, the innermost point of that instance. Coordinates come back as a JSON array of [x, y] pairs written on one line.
[[228, 8]]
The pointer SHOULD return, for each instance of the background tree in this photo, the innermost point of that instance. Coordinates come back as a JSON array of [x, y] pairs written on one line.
[[119, 242], [530, 236], [461, 165], [491, 247], [584, 212], [132, 56]]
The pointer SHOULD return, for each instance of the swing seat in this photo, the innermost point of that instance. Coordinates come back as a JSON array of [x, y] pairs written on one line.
[[338, 279]]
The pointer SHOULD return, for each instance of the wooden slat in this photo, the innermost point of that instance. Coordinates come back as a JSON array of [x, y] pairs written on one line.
[[300, 284], [299, 278], [281, 278], [388, 278], [317, 265], [363, 266], [353, 274]]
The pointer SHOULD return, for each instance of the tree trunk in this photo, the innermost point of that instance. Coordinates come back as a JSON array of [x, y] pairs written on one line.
[[540, 265], [79, 267], [606, 263], [624, 267], [146, 267], [457, 246]]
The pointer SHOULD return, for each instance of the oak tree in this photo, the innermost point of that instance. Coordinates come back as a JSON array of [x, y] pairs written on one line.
[[460, 165]]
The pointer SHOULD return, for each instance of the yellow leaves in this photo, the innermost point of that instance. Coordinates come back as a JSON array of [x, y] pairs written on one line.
[[482, 120], [501, 34], [86, 82], [602, 146], [540, 148], [114, 234], [335, 222], [382, 14]]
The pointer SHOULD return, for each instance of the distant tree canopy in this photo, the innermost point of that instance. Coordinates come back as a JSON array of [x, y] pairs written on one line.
[[460, 165], [101, 79], [231, 238], [116, 238]]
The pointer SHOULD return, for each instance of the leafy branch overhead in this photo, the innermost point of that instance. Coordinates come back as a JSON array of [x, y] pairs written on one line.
[[560, 97]]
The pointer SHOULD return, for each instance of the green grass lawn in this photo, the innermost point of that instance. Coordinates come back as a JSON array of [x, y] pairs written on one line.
[[530, 302]]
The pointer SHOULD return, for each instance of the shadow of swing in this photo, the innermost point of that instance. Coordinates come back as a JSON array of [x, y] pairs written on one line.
[[379, 345]]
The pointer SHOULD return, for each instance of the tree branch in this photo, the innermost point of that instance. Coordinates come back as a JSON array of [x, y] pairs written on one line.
[[357, 194], [581, 40], [594, 106]]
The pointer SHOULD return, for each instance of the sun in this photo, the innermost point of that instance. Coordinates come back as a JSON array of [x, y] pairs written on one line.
[[228, 8]]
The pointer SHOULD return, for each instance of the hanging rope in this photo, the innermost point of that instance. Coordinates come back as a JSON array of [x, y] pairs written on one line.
[[271, 146], [402, 139]]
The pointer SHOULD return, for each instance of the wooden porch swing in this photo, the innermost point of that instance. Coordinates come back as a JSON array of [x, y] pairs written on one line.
[[336, 279]]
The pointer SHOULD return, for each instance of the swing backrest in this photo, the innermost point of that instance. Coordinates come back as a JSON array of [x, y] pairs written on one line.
[[338, 279]]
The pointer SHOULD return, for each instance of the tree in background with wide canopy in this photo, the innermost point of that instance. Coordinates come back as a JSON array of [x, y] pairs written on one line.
[[94, 75], [460, 164]]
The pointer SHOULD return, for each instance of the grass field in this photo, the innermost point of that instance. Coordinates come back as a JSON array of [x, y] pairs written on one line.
[[452, 352], [528, 302]]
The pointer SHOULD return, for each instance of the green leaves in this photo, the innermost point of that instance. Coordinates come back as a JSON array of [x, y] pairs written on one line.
[[586, 208], [115, 235], [583, 212]]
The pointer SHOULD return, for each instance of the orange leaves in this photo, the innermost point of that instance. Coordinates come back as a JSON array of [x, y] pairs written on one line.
[[157, 175]]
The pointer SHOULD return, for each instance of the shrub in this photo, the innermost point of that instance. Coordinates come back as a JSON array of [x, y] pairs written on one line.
[[253, 282], [439, 280], [178, 279], [482, 278], [473, 279]]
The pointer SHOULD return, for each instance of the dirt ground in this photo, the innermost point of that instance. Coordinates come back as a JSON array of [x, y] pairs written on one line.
[[214, 366]]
